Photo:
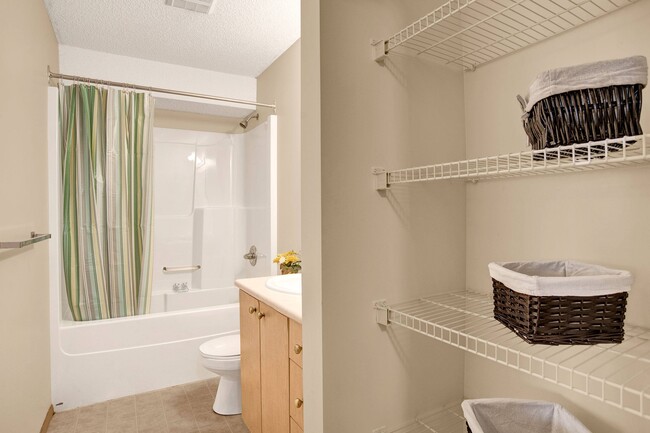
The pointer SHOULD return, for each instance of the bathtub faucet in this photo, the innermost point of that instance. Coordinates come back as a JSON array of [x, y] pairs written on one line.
[[181, 287]]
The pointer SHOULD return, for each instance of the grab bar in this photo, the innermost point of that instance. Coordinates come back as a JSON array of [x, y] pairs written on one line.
[[181, 268], [34, 238]]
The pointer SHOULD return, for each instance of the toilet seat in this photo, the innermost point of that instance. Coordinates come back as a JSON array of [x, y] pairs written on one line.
[[226, 347]]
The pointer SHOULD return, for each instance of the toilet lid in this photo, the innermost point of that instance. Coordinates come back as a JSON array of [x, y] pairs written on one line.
[[222, 347]]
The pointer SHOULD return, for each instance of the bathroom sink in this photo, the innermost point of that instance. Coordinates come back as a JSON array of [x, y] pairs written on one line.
[[291, 284]]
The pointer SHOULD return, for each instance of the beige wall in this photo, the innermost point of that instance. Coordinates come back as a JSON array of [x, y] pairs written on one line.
[[599, 217], [196, 122], [398, 246], [280, 82], [310, 214], [27, 46]]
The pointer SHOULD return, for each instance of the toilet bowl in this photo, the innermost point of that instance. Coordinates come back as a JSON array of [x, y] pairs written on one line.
[[221, 356]]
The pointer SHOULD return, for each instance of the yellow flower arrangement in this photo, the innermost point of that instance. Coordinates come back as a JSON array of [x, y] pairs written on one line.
[[289, 262]]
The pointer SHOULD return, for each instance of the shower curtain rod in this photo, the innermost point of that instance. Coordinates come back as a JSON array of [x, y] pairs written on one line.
[[155, 89]]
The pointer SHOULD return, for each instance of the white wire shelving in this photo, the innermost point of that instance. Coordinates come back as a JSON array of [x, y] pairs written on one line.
[[617, 374], [469, 33], [609, 153], [449, 420]]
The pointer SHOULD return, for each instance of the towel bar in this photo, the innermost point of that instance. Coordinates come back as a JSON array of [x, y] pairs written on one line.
[[34, 238], [181, 268]]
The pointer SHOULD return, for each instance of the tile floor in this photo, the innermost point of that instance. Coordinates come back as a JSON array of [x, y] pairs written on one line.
[[179, 409]]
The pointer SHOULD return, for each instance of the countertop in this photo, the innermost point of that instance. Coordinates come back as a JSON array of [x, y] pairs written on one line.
[[289, 305]]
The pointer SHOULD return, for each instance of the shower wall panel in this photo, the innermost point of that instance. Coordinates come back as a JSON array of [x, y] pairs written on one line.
[[173, 177], [214, 171], [213, 247], [214, 195], [255, 198], [173, 240]]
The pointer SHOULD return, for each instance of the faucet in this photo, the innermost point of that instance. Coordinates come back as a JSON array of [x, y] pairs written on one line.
[[251, 255]]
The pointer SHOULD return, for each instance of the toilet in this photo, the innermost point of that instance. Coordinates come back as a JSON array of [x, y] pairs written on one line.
[[221, 356]]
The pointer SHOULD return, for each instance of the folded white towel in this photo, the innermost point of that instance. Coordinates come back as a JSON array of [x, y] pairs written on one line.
[[618, 72]]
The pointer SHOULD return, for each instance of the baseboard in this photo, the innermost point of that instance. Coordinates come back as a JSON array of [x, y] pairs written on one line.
[[48, 418]]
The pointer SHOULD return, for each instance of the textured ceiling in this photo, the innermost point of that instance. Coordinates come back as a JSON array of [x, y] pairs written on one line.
[[240, 37]]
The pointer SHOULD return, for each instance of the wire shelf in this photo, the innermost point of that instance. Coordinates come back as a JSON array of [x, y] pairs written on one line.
[[617, 374], [448, 420], [473, 32], [578, 157]]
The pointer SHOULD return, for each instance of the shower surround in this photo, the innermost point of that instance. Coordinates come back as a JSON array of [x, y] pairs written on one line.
[[214, 197]]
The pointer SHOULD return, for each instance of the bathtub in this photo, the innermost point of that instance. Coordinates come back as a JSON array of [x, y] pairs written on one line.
[[105, 359]]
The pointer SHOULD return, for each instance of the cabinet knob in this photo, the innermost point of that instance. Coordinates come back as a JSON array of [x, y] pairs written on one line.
[[298, 403], [252, 310], [297, 349], [260, 315]]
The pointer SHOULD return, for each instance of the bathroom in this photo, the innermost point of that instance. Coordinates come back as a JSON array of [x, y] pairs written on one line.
[[349, 115]]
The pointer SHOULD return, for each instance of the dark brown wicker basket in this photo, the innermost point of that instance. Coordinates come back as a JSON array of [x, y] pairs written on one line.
[[581, 116], [561, 319]]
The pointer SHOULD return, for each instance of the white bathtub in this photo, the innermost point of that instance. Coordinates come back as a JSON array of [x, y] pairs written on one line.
[[106, 359]]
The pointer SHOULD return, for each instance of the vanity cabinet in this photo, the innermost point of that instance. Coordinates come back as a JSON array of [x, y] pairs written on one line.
[[295, 393], [270, 347], [251, 390], [295, 428], [295, 342], [295, 376]]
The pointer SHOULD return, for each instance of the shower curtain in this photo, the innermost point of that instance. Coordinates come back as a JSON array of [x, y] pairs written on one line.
[[106, 165]]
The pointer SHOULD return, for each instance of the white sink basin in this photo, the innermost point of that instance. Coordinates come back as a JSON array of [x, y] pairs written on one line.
[[291, 283]]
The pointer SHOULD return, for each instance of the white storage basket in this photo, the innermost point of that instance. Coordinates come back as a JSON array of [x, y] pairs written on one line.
[[502, 415]]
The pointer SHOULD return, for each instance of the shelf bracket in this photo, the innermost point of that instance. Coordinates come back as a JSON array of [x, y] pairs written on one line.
[[381, 178], [379, 50], [381, 312]]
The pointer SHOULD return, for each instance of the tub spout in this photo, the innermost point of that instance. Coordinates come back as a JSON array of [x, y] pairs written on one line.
[[180, 287]]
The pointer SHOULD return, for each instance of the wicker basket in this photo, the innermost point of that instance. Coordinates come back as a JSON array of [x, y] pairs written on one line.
[[562, 319], [585, 115], [585, 103]]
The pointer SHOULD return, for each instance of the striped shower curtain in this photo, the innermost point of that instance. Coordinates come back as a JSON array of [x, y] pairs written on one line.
[[106, 162]]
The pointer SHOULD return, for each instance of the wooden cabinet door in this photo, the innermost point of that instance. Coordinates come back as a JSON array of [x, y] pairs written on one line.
[[250, 362], [274, 339], [295, 394], [295, 428], [295, 342]]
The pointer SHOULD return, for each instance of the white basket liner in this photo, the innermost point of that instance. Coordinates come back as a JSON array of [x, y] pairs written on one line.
[[503, 415], [560, 278], [618, 72]]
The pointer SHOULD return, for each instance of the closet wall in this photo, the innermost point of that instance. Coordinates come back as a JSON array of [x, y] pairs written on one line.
[[439, 236], [311, 215], [599, 217], [407, 243]]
